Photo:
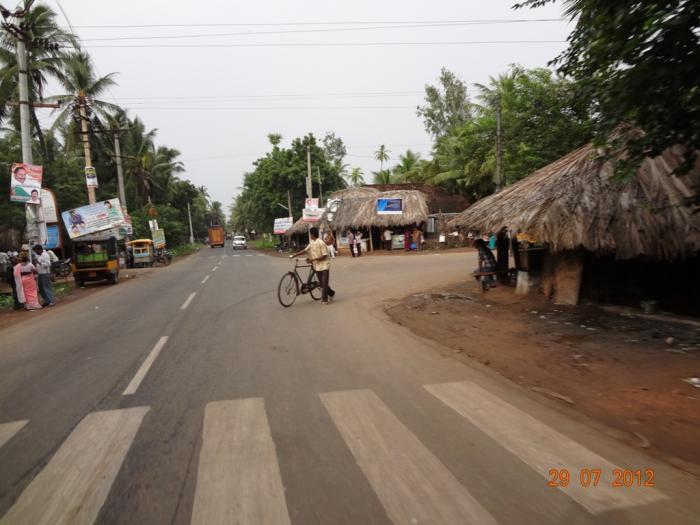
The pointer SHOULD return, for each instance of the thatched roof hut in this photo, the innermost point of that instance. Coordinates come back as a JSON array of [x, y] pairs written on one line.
[[298, 227], [576, 202], [361, 211]]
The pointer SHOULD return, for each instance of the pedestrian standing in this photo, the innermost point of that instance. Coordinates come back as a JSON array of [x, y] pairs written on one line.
[[417, 238], [10, 278], [319, 258], [387, 239], [351, 241], [329, 239], [43, 268], [358, 242], [26, 284]]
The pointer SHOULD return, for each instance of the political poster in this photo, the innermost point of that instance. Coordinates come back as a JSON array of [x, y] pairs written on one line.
[[389, 206], [158, 238], [90, 177], [311, 211], [25, 183], [281, 225], [93, 218]]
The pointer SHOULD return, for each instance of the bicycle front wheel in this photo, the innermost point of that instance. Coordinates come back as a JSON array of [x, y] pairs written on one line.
[[288, 289]]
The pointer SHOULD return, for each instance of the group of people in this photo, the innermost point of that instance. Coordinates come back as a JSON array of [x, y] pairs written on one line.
[[354, 238], [29, 277]]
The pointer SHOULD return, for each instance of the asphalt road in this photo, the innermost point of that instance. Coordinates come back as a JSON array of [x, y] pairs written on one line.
[[191, 396]]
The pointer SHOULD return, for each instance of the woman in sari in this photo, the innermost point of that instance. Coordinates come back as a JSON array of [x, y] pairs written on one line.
[[26, 284], [487, 263]]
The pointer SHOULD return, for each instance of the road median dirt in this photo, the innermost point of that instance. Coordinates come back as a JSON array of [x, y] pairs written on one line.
[[625, 372]]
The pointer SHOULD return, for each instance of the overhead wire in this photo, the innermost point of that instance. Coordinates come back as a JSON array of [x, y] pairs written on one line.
[[328, 44]]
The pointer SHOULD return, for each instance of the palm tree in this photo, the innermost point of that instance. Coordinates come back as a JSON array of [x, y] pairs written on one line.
[[382, 177], [44, 63], [275, 139], [408, 162], [382, 155], [355, 177], [82, 90]]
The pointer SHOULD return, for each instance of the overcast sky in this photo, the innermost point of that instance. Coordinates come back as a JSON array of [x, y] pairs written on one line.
[[217, 104]]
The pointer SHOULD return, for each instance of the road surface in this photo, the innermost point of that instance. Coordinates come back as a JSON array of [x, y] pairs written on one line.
[[191, 396]]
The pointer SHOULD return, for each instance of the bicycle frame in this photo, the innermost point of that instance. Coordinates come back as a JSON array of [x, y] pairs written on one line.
[[305, 283]]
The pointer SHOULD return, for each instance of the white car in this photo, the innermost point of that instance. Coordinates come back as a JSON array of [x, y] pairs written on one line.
[[240, 242]]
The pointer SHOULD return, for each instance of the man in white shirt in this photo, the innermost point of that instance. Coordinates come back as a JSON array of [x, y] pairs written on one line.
[[42, 261], [318, 256], [387, 239]]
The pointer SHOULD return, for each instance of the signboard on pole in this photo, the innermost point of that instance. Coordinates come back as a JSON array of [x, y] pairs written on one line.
[[389, 206], [311, 211], [158, 238], [281, 225], [93, 218], [25, 183], [48, 206], [90, 177], [53, 240]]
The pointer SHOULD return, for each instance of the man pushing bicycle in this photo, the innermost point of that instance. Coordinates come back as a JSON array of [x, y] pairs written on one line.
[[319, 257]]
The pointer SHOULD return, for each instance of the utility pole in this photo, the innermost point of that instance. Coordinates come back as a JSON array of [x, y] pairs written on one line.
[[320, 187], [120, 172], [189, 216], [499, 150], [289, 204], [92, 198], [308, 172]]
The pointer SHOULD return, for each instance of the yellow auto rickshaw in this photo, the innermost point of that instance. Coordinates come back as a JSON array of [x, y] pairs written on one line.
[[142, 252], [95, 260]]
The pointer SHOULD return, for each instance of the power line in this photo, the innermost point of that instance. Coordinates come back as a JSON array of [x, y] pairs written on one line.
[[283, 32], [324, 96], [330, 44], [266, 108], [325, 23]]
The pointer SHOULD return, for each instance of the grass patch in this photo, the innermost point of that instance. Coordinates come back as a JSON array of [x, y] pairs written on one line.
[[60, 289], [185, 249], [263, 244]]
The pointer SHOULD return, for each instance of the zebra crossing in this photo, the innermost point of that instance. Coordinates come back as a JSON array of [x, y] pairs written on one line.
[[238, 473]]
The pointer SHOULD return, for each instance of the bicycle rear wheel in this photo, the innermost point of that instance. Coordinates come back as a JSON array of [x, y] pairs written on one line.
[[315, 290], [288, 289]]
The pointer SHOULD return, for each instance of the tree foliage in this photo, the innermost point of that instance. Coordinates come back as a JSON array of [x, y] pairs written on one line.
[[446, 105], [640, 62]]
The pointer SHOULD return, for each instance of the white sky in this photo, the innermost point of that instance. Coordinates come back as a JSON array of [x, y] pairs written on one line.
[[232, 85]]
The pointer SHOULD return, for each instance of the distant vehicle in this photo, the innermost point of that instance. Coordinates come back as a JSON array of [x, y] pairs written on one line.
[[240, 242], [217, 236]]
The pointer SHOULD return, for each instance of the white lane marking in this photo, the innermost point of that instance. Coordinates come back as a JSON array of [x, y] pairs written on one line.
[[237, 255], [238, 478], [260, 255], [145, 367], [72, 488], [205, 279], [249, 255], [188, 301], [541, 447], [7, 430], [214, 268], [412, 484]]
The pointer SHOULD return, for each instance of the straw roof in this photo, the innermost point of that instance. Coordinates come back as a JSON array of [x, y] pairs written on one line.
[[298, 227], [576, 202], [361, 212]]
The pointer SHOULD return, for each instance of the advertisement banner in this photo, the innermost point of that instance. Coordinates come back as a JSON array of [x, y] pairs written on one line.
[[311, 211], [389, 206], [25, 183], [48, 206], [158, 239], [53, 240], [281, 225], [90, 177], [93, 218]]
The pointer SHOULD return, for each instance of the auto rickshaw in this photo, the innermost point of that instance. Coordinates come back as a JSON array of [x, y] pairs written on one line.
[[142, 252], [95, 260]]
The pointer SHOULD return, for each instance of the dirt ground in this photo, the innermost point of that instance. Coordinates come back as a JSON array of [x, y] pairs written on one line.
[[623, 371]]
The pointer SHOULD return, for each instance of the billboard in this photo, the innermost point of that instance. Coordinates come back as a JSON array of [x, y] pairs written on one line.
[[93, 218], [311, 211], [25, 183], [389, 206], [53, 240], [281, 225], [158, 238], [90, 177]]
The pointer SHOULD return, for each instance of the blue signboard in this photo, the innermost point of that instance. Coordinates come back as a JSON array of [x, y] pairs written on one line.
[[389, 206], [53, 237]]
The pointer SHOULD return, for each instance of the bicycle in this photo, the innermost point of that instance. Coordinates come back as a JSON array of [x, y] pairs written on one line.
[[292, 284]]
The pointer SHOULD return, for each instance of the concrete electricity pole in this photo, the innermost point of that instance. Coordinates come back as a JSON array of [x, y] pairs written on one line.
[[120, 172], [289, 204], [189, 216], [499, 150], [308, 172], [92, 197]]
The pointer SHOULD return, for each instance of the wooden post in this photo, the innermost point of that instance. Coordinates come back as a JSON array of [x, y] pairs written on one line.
[[371, 244]]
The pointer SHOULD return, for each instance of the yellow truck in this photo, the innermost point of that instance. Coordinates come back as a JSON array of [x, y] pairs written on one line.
[[217, 236]]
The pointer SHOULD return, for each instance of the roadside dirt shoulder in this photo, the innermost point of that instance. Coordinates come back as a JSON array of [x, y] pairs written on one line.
[[624, 372]]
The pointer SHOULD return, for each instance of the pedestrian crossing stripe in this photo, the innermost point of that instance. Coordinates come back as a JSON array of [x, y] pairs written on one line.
[[541, 447], [72, 488]]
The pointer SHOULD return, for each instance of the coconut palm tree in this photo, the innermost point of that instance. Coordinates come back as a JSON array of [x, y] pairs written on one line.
[[45, 62], [355, 177], [408, 162], [382, 155], [382, 177]]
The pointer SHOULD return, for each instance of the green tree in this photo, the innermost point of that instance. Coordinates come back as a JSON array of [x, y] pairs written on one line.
[[446, 105], [382, 177], [638, 60], [382, 155], [356, 177], [408, 163]]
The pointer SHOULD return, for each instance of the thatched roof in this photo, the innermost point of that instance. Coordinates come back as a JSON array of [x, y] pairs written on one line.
[[576, 202], [362, 211], [298, 227], [439, 199], [353, 192]]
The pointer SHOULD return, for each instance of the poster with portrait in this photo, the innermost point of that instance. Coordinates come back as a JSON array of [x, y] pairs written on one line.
[[93, 218], [25, 183]]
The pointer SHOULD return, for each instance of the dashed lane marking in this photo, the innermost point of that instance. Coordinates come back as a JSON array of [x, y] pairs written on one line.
[[145, 367]]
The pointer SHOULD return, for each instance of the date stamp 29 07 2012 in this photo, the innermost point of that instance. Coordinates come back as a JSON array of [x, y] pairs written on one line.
[[591, 477]]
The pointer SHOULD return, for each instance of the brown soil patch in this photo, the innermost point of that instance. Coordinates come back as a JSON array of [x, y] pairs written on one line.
[[616, 369]]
